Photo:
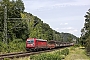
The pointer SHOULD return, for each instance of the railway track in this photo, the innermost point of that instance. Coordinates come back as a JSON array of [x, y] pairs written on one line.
[[21, 54]]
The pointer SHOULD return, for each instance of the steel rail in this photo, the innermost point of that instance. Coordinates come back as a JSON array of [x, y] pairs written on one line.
[[20, 54], [23, 54]]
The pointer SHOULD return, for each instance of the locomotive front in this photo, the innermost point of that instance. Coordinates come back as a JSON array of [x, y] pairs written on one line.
[[30, 43]]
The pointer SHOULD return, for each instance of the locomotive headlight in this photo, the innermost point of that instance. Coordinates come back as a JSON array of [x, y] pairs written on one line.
[[32, 44]]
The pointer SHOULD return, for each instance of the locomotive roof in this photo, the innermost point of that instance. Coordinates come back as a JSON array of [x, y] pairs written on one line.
[[37, 39], [41, 40]]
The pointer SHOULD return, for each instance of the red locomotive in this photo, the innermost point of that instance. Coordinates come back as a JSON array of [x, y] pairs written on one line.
[[33, 44]]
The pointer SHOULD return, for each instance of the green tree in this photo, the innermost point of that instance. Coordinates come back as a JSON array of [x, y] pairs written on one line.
[[85, 36], [17, 28], [87, 45], [69, 39]]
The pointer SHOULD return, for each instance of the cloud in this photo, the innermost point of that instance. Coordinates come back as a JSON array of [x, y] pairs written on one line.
[[63, 23], [57, 29], [66, 23], [73, 3], [49, 4], [67, 28], [72, 31], [36, 5]]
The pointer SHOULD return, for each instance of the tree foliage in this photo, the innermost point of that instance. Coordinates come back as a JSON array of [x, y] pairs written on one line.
[[17, 28], [85, 36]]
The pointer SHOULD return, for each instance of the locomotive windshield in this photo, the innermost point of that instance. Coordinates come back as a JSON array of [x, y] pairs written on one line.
[[30, 41]]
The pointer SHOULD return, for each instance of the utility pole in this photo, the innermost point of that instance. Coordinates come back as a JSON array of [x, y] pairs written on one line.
[[5, 24]]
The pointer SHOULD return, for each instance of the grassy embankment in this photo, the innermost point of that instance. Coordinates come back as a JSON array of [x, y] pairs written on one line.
[[77, 53]]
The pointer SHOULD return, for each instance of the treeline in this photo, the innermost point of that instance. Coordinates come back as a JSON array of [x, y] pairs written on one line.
[[16, 28], [85, 36], [39, 29], [22, 25], [36, 27]]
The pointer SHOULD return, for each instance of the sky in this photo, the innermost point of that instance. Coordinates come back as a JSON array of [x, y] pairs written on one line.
[[62, 15]]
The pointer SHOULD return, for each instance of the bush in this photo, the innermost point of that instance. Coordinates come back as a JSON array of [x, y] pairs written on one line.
[[58, 55], [16, 45], [77, 45], [62, 56], [87, 46], [45, 57], [3, 47], [72, 48], [6, 59], [57, 52], [65, 52]]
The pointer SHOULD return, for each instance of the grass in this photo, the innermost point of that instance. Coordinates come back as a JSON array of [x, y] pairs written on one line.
[[22, 58], [77, 54]]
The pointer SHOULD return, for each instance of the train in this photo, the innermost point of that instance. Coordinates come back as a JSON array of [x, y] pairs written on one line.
[[34, 44]]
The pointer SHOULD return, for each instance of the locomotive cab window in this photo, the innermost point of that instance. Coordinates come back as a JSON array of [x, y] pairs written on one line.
[[30, 41]]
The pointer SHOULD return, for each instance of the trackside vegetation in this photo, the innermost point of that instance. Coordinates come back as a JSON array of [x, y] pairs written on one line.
[[57, 55], [77, 53], [14, 46]]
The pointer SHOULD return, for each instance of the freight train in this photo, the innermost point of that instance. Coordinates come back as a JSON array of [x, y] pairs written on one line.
[[34, 44]]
